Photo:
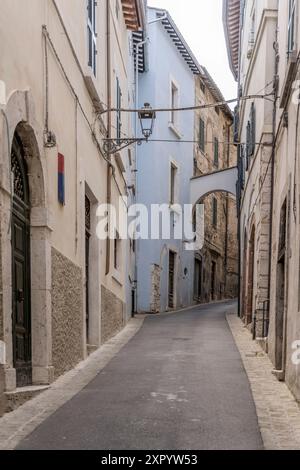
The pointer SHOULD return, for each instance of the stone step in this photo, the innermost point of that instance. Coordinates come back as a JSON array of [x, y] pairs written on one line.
[[19, 396]]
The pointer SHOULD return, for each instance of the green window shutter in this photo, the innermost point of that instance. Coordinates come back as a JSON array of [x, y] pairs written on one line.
[[216, 152], [252, 130], [215, 212], [248, 146], [202, 135]]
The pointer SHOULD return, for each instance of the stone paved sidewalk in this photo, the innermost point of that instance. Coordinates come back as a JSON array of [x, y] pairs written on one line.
[[20, 423], [277, 410]]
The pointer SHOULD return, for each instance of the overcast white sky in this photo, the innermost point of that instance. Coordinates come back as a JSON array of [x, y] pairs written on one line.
[[200, 22]]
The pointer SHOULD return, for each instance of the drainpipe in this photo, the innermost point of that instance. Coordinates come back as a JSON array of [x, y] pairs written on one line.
[[109, 105]]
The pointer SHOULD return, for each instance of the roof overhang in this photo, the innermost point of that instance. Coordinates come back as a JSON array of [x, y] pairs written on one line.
[[231, 21], [133, 11], [178, 40]]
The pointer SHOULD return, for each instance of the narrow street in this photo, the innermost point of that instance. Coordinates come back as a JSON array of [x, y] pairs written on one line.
[[178, 384]]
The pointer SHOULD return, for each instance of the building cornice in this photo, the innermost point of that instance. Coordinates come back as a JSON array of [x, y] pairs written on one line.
[[231, 22]]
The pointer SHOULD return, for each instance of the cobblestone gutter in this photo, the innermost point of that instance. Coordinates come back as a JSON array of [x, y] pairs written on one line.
[[277, 410]]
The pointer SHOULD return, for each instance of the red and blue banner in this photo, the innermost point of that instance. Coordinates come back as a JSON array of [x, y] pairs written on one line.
[[61, 179]]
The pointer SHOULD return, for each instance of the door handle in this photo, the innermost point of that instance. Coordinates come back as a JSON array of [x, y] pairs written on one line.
[[20, 295]]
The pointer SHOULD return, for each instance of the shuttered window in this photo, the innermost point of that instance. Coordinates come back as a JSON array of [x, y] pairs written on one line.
[[291, 26], [216, 152], [202, 135], [92, 35], [253, 130], [215, 212]]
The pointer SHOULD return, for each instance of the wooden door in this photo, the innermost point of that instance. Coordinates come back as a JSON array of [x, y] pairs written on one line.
[[21, 297]]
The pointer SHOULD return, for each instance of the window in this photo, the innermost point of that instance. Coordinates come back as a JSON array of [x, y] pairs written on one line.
[[217, 110], [119, 114], [215, 212], [216, 152], [92, 35], [251, 136], [202, 135], [291, 26], [173, 175], [202, 88], [253, 129], [174, 103], [252, 31], [117, 252], [198, 278]]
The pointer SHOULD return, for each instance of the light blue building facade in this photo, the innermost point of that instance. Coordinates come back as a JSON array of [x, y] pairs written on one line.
[[165, 268]]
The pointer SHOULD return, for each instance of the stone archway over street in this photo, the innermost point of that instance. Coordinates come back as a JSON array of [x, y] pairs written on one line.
[[223, 180]]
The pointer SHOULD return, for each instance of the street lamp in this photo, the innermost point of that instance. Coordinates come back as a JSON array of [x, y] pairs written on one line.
[[147, 117]]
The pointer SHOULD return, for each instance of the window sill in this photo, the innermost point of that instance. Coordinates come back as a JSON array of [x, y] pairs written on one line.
[[91, 84], [174, 129]]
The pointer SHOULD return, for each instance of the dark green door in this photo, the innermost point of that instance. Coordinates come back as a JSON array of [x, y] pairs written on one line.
[[21, 317]]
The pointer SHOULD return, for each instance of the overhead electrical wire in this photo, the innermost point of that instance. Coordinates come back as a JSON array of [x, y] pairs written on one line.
[[191, 108]]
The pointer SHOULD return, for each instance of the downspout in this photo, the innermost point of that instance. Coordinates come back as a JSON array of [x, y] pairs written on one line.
[[109, 105]]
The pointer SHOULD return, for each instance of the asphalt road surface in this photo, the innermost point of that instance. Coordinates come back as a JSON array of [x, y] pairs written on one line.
[[178, 384]]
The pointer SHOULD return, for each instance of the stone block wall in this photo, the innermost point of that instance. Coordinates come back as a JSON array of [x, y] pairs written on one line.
[[155, 289], [1, 295], [112, 314], [67, 314]]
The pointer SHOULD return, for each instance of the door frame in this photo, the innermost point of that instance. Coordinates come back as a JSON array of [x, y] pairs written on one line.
[[21, 216], [20, 117]]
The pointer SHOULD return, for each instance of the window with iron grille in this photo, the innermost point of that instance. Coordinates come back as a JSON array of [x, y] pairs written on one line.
[[92, 35], [291, 26], [216, 152], [202, 135]]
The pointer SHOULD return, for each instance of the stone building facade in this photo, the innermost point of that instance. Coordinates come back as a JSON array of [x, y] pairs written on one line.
[[62, 290], [264, 57], [216, 265]]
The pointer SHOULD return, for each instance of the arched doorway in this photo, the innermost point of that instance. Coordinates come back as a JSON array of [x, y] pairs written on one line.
[[22, 140], [250, 290], [20, 245]]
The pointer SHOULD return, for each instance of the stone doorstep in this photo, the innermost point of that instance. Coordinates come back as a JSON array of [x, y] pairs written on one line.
[[21, 395]]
